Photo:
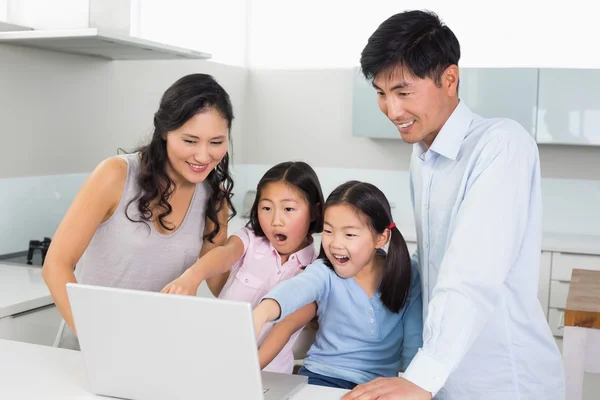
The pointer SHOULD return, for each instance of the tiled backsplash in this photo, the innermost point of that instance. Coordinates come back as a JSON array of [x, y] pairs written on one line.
[[32, 207]]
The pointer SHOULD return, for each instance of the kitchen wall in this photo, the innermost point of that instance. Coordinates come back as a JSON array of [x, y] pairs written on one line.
[[300, 86], [62, 114]]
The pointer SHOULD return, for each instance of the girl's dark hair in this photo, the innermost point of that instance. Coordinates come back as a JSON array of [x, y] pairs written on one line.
[[187, 97], [416, 40], [371, 204], [302, 177]]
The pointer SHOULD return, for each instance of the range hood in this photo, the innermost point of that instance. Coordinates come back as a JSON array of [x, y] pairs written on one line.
[[6, 27], [109, 29], [99, 43]]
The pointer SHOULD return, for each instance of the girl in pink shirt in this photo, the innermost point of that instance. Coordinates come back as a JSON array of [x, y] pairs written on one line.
[[276, 245]]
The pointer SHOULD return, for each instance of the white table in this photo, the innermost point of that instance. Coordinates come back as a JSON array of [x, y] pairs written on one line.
[[29, 371]]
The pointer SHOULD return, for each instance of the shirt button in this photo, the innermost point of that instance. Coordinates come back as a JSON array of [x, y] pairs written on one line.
[[372, 320], [372, 333], [426, 245], [378, 294], [278, 272], [370, 310], [427, 206], [246, 280], [293, 257]]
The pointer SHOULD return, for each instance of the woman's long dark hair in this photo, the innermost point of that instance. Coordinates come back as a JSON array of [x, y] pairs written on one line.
[[187, 97], [371, 203]]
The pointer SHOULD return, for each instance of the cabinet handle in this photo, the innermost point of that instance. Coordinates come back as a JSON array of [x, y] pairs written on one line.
[[23, 313], [561, 321]]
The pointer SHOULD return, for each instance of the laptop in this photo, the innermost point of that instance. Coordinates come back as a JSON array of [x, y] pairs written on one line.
[[145, 346]]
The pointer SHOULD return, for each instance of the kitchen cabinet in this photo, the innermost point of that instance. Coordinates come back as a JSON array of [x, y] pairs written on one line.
[[557, 286], [37, 326], [367, 118], [569, 107], [27, 312], [544, 280], [501, 93], [489, 92]]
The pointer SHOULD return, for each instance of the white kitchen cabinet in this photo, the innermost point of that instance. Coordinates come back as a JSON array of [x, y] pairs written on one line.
[[489, 92], [367, 118], [37, 326], [559, 292], [564, 263], [561, 266], [569, 107], [544, 280], [501, 93], [556, 321]]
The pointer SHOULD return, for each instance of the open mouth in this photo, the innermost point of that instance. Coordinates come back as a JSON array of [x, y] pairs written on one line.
[[341, 260], [280, 237]]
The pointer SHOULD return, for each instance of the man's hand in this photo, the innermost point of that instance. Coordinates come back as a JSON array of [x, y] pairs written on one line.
[[388, 389]]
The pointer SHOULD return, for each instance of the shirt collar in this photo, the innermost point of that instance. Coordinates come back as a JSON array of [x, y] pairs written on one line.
[[304, 256], [448, 141]]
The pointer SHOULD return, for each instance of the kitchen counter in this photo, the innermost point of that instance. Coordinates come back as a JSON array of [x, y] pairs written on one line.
[[22, 289], [555, 242], [565, 243], [30, 371]]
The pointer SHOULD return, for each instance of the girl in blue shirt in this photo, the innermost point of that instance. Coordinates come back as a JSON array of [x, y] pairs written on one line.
[[369, 303]]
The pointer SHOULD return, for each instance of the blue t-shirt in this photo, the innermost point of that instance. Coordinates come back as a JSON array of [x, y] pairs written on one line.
[[358, 338]]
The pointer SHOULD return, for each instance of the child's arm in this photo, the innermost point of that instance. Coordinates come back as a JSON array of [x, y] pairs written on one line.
[[311, 285], [283, 331], [217, 261], [413, 322]]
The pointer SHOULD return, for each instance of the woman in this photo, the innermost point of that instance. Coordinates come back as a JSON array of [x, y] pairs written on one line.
[[140, 220]]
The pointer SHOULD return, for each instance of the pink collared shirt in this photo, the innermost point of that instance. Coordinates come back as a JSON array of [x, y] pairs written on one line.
[[257, 272]]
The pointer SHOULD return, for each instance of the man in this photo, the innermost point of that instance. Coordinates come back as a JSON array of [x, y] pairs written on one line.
[[475, 186]]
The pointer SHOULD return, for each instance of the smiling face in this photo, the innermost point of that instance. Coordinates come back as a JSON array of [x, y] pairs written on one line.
[[349, 243], [197, 147], [418, 107], [284, 216]]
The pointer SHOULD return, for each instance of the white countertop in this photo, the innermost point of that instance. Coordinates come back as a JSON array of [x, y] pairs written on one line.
[[21, 289], [558, 242], [29, 371], [566, 243]]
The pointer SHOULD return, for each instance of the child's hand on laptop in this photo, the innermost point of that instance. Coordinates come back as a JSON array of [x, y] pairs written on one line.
[[186, 284]]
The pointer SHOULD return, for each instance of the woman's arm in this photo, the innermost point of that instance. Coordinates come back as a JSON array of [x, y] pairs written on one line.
[[96, 201], [283, 331]]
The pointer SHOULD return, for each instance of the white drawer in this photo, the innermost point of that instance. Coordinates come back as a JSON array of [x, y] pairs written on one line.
[[556, 321], [564, 263], [39, 326], [558, 294]]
